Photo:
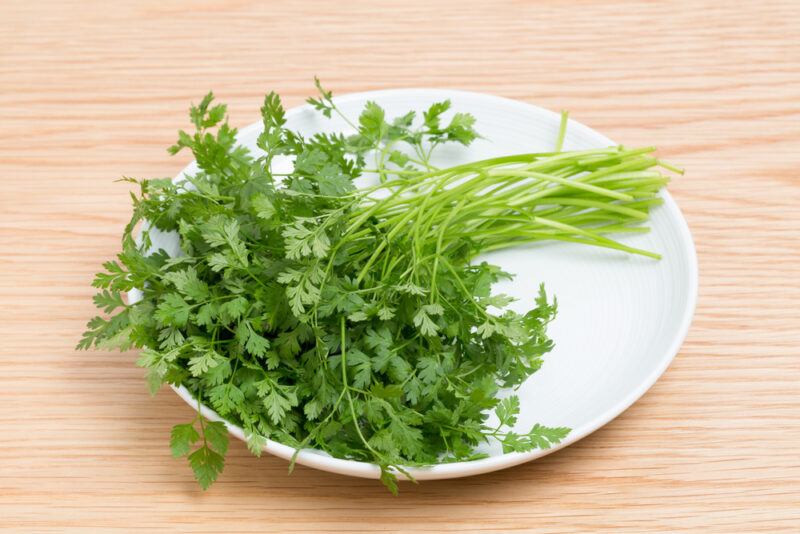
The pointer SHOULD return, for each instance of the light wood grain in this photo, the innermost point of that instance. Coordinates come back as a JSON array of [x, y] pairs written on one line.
[[90, 91]]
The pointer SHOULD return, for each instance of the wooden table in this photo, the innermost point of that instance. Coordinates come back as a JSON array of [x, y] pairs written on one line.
[[91, 91]]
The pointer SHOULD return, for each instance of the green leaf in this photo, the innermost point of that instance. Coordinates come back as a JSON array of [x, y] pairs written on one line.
[[108, 300], [220, 261], [386, 313], [362, 365], [116, 278], [273, 360], [233, 309], [380, 337], [539, 437], [483, 391], [255, 443], [278, 400], [413, 390], [433, 114], [201, 363], [322, 104], [214, 116], [312, 409], [358, 316], [303, 242], [408, 438], [508, 410], [218, 373], [101, 331], [207, 465], [333, 182], [157, 366], [411, 289], [461, 129], [170, 338], [184, 141], [310, 161], [263, 207], [486, 329], [226, 398], [383, 441], [434, 309], [272, 111], [428, 369], [197, 113], [216, 434], [398, 158], [544, 437], [220, 231], [425, 324], [154, 378], [207, 314], [277, 406], [182, 438], [372, 121], [399, 369], [389, 480], [188, 284], [257, 344], [390, 392], [173, 310]]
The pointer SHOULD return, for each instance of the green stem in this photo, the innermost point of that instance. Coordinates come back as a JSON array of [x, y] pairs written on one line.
[[562, 130]]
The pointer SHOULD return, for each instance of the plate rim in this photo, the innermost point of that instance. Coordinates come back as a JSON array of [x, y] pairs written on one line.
[[318, 460]]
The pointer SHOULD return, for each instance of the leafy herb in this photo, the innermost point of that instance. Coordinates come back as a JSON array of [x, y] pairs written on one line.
[[354, 321]]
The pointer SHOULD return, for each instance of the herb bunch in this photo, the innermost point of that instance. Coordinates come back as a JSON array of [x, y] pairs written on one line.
[[354, 321]]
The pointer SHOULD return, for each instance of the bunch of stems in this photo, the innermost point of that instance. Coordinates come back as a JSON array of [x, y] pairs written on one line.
[[578, 196]]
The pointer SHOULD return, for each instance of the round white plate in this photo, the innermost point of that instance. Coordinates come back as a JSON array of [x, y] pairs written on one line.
[[621, 318]]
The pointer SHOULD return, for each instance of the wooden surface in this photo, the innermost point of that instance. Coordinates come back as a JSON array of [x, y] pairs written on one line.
[[90, 91]]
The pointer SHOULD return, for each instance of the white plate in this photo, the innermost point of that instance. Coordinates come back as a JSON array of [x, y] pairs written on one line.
[[621, 318]]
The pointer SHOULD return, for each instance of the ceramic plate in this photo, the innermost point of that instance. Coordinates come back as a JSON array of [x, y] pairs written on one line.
[[621, 318]]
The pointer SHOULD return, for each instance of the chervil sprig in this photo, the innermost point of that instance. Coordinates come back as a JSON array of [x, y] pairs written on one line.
[[359, 322]]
